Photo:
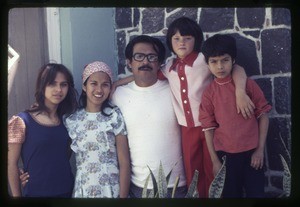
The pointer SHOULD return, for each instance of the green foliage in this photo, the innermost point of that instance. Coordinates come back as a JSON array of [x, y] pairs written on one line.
[[193, 191], [160, 185], [217, 185], [286, 183], [286, 178]]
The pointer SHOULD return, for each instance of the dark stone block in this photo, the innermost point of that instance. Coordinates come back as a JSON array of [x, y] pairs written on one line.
[[246, 55], [187, 12], [281, 16], [216, 19], [123, 17], [121, 42], [163, 40], [266, 86], [153, 20], [251, 17], [276, 51], [282, 95], [277, 142], [136, 17]]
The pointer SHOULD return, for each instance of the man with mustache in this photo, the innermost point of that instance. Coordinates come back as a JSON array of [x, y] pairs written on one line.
[[153, 131]]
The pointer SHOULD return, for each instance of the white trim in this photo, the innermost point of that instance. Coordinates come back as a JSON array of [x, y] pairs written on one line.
[[13, 57], [53, 31]]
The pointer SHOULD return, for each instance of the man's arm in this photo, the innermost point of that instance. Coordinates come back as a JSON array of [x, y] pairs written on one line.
[[243, 102], [120, 82]]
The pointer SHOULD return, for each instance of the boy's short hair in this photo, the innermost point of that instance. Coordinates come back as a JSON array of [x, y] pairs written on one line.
[[185, 26], [218, 45], [158, 46]]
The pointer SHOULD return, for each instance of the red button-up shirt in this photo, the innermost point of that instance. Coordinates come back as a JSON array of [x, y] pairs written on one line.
[[188, 78], [233, 133]]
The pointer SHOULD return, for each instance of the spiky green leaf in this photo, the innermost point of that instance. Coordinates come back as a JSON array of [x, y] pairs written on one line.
[[151, 194], [217, 185], [153, 181], [144, 193], [162, 182], [193, 191], [286, 177], [175, 186], [169, 174]]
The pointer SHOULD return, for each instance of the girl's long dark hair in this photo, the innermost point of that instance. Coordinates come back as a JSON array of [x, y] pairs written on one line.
[[47, 76], [83, 102]]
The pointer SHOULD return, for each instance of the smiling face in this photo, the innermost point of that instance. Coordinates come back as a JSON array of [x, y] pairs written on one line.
[[182, 45], [220, 66], [97, 88], [56, 91], [144, 72]]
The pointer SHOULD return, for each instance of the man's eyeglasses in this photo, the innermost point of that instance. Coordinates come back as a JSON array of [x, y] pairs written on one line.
[[141, 56]]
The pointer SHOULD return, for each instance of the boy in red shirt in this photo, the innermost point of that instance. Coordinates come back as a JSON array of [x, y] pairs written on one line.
[[227, 133]]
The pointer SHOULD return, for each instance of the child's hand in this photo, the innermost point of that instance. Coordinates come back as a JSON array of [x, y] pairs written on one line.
[[244, 104], [23, 177], [257, 159], [216, 167]]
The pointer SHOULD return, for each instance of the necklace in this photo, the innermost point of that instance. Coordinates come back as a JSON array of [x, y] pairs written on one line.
[[223, 83]]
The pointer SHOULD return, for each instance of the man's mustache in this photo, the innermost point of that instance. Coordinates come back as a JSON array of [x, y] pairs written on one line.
[[145, 68]]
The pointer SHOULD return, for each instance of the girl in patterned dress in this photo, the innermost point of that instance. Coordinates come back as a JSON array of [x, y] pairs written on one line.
[[99, 140]]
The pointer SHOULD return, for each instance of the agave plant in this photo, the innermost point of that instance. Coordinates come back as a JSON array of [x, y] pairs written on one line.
[[286, 184], [286, 178], [217, 185], [160, 185], [193, 191]]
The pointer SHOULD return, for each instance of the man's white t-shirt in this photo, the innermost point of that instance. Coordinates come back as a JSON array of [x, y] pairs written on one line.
[[153, 131]]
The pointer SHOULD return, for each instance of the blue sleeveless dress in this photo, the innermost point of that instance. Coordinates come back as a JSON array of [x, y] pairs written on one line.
[[45, 157]]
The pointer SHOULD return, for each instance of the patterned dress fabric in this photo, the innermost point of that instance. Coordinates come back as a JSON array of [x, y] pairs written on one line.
[[93, 141]]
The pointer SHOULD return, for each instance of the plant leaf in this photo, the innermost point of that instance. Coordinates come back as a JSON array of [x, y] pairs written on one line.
[[162, 182], [286, 177], [175, 186], [193, 191], [151, 194], [144, 193], [217, 185], [169, 174], [153, 181]]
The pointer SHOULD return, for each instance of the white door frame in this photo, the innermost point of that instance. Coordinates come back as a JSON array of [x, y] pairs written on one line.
[[53, 32]]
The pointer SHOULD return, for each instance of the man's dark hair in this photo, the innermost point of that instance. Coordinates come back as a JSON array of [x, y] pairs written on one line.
[[218, 45], [158, 46]]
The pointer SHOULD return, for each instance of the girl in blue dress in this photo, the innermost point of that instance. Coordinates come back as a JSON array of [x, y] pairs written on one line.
[[39, 138]]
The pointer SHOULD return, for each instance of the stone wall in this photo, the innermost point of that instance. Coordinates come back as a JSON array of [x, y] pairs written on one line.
[[264, 49]]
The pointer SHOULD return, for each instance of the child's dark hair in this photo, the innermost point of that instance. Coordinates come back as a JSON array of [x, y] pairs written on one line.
[[83, 101], [185, 26], [47, 76], [218, 45], [158, 46]]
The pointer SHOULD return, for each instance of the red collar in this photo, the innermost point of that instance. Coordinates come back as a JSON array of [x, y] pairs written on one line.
[[188, 60]]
